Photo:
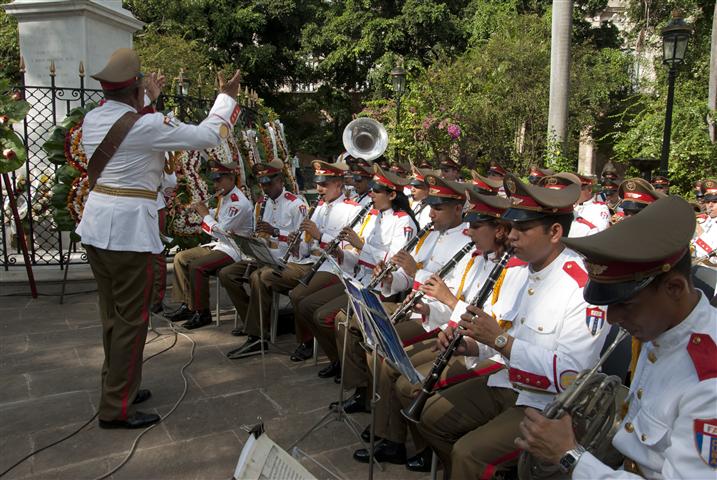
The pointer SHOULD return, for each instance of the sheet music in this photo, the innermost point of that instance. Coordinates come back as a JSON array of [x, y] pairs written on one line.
[[263, 459]]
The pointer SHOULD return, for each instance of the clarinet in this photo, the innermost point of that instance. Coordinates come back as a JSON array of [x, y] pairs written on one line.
[[297, 238], [408, 305], [260, 217], [333, 246], [390, 267], [413, 412]]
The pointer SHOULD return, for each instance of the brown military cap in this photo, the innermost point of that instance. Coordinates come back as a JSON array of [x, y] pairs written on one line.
[[444, 191], [418, 176], [609, 171], [217, 170], [359, 171], [323, 171], [446, 161], [387, 179], [484, 184], [709, 190], [626, 257], [559, 181], [484, 207], [496, 170], [536, 173], [401, 168], [660, 182], [264, 172], [122, 70], [637, 193], [531, 202], [383, 162]]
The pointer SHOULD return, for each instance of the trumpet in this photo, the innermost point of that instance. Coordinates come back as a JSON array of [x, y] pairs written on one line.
[[408, 305], [391, 267], [297, 235], [414, 410]]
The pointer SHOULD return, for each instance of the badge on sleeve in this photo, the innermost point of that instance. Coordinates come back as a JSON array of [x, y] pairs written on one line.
[[594, 319], [223, 131], [706, 440], [302, 210], [408, 232]]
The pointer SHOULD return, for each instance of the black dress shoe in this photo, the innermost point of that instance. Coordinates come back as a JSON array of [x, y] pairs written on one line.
[[366, 435], [142, 396], [331, 370], [303, 352], [358, 402], [182, 313], [198, 320], [420, 462], [252, 346], [384, 451], [138, 420]]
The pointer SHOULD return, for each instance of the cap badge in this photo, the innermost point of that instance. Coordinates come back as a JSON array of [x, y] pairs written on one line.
[[431, 180], [511, 185], [630, 186], [594, 269], [552, 181]]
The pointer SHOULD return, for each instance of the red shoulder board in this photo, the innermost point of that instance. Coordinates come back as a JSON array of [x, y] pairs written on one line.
[[352, 202], [576, 272], [234, 197], [373, 211], [703, 351], [465, 232], [289, 196], [515, 262], [400, 213], [321, 202], [585, 222]]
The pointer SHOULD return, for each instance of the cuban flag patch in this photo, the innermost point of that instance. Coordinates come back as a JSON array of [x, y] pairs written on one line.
[[594, 319], [408, 232], [706, 440]]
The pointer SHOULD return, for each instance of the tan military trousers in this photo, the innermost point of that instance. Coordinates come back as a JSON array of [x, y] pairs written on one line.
[[472, 427], [192, 269], [315, 308], [124, 285]]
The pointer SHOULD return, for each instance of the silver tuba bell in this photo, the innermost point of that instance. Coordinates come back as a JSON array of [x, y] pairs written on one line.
[[365, 138]]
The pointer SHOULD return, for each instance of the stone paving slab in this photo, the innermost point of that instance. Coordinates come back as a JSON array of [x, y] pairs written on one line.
[[50, 361]]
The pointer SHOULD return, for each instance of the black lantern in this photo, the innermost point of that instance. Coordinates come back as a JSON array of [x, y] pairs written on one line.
[[398, 80]]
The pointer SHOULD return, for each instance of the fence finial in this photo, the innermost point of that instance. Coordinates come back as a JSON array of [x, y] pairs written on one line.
[[52, 68], [22, 64], [82, 69]]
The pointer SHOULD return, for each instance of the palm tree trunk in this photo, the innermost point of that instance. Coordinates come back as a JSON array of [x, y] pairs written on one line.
[[562, 24]]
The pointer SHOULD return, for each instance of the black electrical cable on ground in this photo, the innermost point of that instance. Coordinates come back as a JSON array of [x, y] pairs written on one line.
[[67, 437]]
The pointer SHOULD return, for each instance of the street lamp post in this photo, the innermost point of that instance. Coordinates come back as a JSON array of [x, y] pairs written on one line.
[[674, 45], [398, 80]]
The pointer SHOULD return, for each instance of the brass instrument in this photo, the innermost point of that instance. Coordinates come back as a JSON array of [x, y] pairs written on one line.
[[406, 307], [390, 267], [593, 402], [414, 410], [297, 235], [365, 138]]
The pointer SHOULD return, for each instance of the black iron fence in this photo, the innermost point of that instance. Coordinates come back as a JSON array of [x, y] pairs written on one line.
[[49, 104]]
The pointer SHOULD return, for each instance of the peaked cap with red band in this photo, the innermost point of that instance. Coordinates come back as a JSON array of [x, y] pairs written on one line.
[[585, 180], [559, 181], [660, 181], [626, 257], [442, 191], [532, 202], [418, 176], [401, 168], [637, 193], [536, 173], [217, 170], [484, 207], [484, 184], [324, 170], [709, 190], [445, 161], [364, 171], [496, 170], [264, 172], [390, 180], [122, 70]]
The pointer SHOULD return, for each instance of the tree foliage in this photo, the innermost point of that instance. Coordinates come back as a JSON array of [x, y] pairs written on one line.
[[9, 46]]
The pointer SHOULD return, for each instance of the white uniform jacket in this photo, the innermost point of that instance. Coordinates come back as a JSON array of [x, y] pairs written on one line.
[[706, 242], [130, 223], [364, 200], [591, 216], [556, 333], [285, 213], [422, 212], [670, 429], [167, 185], [431, 253], [232, 215], [385, 233], [330, 218]]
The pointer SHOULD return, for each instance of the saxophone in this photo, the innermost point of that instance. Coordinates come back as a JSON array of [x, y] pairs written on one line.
[[593, 401]]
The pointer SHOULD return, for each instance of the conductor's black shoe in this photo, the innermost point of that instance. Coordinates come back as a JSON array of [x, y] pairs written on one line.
[[252, 346], [358, 402], [303, 352], [142, 396], [182, 313], [333, 369], [198, 320], [138, 420], [384, 451], [366, 435], [420, 462]]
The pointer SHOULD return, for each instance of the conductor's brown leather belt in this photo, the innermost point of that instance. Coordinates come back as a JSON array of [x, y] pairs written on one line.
[[126, 192]]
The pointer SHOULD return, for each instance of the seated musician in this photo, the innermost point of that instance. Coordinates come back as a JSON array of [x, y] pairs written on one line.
[[383, 232], [361, 174], [489, 234], [276, 214], [329, 217], [193, 267], [640, 269], [433, 250], [419, 193], [553, 333]]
